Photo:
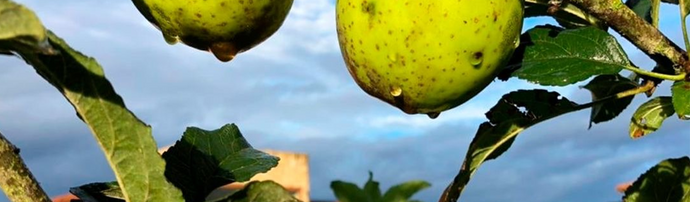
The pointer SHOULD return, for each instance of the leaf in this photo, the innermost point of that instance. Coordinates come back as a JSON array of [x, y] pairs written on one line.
[[264, 191], [205, 160], [371, 188], [667, 181], [650, 115], [99, 192], [512, 114], [20, 29], [349, 192], [551, 56], [608, 85], [403, 192], [126, 141], [681, 99]]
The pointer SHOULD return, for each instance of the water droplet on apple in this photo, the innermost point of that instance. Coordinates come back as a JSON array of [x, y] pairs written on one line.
[[393, 57], [433, 115], [476, 59], [170, 39], [224, 51], [396, 91]]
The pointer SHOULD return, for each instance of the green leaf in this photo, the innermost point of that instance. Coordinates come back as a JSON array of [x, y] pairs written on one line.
[[371, 188], [667, 181], [205, 160], [20, 29], [99, 192], [608, 85], [512, 114], [551, 56], [126, 141], [403, 192], [349, 192], [264, 191], [650, 115], [681, 99]]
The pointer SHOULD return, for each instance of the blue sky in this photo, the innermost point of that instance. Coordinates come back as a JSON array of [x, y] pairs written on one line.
[[294, 93]]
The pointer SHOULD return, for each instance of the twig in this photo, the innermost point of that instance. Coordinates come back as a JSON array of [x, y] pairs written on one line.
[[15, 178]]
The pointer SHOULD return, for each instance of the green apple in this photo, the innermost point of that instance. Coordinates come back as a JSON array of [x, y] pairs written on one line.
[[427, 56], [224, 27]]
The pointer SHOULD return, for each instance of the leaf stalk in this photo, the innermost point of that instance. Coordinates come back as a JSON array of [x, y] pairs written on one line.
[[678, 77]]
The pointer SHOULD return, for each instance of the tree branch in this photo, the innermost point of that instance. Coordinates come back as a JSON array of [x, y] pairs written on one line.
[[15, 178], [642, 34]]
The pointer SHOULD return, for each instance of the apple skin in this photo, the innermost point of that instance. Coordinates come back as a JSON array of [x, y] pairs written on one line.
[[427, 56], [223, 27]]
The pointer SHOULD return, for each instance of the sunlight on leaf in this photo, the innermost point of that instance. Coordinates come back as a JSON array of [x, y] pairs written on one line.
[[681, 99], [404, 191], [667, 181], [20, 29], [263, 191], [219, 157], [506, 121], [650, 115], [371, 188], [349, 192], [551, 56], [126, 141]]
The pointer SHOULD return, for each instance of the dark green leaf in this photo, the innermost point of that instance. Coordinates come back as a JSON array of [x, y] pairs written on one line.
[[650, 115], [608, 85], [512, 114], [205, 160], [99, 192], [403, 192], [126, 141], [371, 188], [494, 137], [20, 29], [667, 181], [681, 99], [552, 56], [349, 192], [264, 191]]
